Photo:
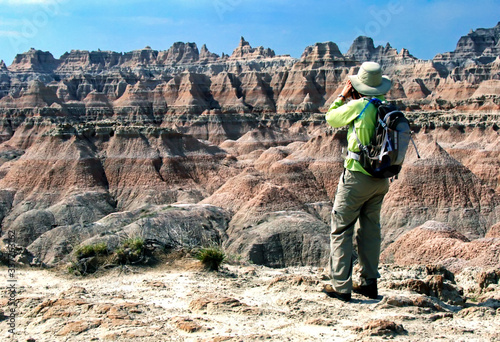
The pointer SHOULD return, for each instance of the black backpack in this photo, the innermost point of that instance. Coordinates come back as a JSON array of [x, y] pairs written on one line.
[[384, 156]]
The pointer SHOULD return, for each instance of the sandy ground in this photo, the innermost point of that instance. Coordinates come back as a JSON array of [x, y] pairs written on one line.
[[182, 302]]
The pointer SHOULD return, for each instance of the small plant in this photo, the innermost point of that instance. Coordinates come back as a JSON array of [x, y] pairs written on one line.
[[89, 258], [88, 251], [148, 215], [136, 244], [131, 251], [211, 257]]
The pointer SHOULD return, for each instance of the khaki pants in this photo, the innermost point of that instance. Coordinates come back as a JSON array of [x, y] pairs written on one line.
[[358, 197]]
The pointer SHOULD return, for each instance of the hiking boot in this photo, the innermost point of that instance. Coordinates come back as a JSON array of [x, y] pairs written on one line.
[[369, 290], [330, 292]]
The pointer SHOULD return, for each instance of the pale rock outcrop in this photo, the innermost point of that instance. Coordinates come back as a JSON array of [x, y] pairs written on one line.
[[283, 239], [322, 55], [79, 60], [245, 51], [323, 154], [494, 231], [51, 172], [180, 53], [437, 187], [487, 88], [481, 43], [34, 61], [160, 166], [226, 90], [37, 95], [193, 95], [136, 100], [146, 56], [31, 224], [206, 56], [436, 242], [97, 100], [257, 92], [363, 49], [298, 86], [5, 80]]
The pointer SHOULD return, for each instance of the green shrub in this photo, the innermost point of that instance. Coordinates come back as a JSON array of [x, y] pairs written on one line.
[[136, 244], [89, 258], [211, 257], [88, 251], [131, 251]]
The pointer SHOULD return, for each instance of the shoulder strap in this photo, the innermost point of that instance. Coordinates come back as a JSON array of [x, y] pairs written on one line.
[[376, 102]]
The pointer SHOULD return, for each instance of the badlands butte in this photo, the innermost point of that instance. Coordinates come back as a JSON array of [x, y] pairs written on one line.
[[185, 148], [189, 148]]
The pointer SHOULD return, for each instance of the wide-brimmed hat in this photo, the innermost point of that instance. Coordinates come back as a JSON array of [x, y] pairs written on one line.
[[370, 81]]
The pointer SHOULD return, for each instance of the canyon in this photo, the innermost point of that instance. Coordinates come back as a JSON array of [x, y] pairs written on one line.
[[184, 148], [188, 148]]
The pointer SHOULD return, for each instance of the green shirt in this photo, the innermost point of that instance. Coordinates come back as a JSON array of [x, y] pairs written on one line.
[[342, 114]]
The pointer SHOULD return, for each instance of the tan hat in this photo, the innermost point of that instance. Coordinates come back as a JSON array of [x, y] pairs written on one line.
[[370, 81]]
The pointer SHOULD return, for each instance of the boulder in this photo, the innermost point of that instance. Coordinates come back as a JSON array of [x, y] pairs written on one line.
[[282, 239]]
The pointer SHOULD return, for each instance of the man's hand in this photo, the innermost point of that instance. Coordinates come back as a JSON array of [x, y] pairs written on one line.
[[347, 91]]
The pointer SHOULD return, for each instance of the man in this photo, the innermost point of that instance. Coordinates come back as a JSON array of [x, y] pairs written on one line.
[[359, 195]]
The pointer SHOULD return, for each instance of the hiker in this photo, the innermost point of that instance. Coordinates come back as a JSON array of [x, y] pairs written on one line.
[[359, 195]]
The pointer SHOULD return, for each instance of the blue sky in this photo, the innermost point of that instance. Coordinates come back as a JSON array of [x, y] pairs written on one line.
[[425, 27]]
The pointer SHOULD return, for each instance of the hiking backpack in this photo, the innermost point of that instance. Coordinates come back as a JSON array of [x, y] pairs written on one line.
[[384, 156]]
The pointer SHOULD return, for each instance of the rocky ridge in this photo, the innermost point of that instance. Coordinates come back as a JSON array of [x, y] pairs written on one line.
[[147, 84]]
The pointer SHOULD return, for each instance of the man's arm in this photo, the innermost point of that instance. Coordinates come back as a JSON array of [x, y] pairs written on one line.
[[341, 114]]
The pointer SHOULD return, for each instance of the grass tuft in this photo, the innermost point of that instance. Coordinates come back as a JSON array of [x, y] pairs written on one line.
[[131, 251], [211, 257], [91, 251]]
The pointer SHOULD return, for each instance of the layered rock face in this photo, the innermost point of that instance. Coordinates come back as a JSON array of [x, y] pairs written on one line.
[[363, 49], [234, 149], [481, 43], [184, 79]]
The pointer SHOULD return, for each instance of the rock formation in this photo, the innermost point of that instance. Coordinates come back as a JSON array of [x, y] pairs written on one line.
[[481, 44], [438, 187], [363, 49], [436, 242], [260, 80], [245, 51], [239, 140]]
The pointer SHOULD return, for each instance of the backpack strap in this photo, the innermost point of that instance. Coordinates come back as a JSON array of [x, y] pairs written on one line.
[[353, 155], [376, 102], [415, 145]]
